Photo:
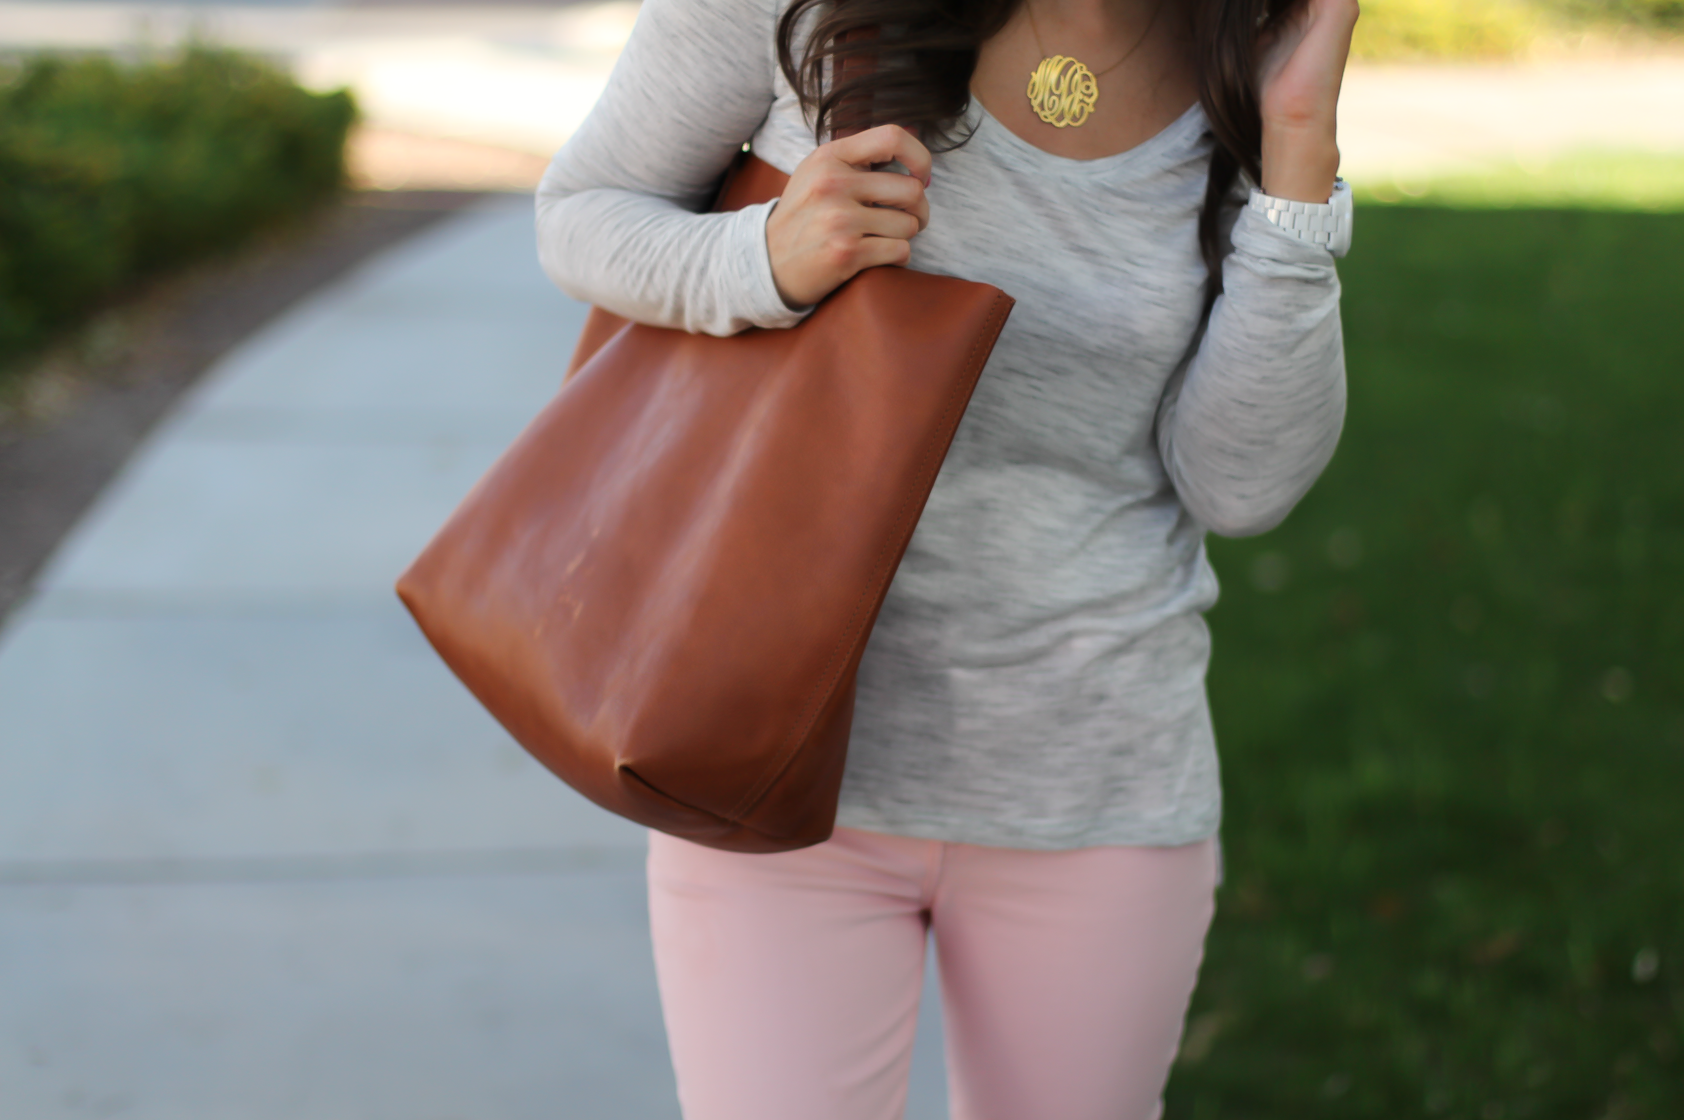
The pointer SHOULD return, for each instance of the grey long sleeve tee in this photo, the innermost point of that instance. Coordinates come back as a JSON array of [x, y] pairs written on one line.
[[1036, 677]]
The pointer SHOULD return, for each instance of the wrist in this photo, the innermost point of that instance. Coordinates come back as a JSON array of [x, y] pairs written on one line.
[[777, 258], [1299, 163]]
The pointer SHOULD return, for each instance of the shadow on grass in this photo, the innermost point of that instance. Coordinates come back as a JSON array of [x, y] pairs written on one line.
[[1450, 698]]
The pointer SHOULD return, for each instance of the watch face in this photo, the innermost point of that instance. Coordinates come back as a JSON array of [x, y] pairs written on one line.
[[1344, 215], [1341, 199]]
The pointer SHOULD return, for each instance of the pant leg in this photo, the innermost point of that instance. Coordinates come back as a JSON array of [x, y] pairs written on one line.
[[1066, 976], [790, 982]]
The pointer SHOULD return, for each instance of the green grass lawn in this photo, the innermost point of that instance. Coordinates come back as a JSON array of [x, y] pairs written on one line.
[[1585, 179], [1449, 693]]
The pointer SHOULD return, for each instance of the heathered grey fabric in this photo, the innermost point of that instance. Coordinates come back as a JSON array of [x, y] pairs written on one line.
[[1036, 678]]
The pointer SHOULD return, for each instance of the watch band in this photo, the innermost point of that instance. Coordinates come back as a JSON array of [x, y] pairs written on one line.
[[1327, 224]]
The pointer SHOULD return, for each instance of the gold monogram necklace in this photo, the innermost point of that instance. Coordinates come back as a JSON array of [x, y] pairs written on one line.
[[1063, 91]]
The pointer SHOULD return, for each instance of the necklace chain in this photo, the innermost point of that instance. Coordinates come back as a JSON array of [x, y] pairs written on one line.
[[1036, 31]]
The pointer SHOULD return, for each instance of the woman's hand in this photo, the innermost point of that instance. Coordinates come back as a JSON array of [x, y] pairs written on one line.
[[838, 217], [1299, 72]]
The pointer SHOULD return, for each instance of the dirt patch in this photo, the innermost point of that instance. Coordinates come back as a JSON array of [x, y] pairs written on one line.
[[73, 418]]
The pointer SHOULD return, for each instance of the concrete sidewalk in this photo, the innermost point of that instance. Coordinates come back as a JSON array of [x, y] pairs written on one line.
[[260, 855]]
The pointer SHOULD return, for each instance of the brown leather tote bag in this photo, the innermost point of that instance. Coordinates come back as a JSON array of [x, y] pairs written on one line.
[[663, 587]]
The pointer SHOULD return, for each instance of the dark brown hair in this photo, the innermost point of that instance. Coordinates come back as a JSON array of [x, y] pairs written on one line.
[[926, 51]]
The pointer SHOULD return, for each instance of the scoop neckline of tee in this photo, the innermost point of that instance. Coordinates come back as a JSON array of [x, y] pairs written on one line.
[[1154, 147]]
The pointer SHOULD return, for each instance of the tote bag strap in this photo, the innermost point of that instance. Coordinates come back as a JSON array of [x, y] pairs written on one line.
[[746, 181]]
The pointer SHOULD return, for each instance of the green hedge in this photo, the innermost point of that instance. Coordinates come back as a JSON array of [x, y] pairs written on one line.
[[1403, 30], [1428, 29], [1643, 13], [111, 172]]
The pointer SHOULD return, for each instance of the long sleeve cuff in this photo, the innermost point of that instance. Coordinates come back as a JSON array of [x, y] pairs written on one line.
[[1257, 415], [1272, 252], [764, 306]]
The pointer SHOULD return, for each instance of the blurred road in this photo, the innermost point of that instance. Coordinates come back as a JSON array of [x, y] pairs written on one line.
[[523, 77], [260, 855]]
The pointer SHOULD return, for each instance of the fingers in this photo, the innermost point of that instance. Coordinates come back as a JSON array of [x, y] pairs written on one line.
[[880, 145], [899, 192], [874, 251], [1340, 12], [1331, 26], [886, 222], [837, 217], [853, 241], [1301, 72], [884, 144]]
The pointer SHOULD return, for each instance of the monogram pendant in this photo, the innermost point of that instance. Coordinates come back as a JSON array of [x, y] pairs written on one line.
[[1062, 91]]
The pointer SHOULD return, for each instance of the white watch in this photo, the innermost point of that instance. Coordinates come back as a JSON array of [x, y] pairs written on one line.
[[1327, 224]]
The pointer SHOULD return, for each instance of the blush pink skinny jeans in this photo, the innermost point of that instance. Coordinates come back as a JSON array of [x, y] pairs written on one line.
[[790, 982]]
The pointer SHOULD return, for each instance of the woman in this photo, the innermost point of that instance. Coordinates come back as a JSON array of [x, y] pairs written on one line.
[[1032, 775]]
